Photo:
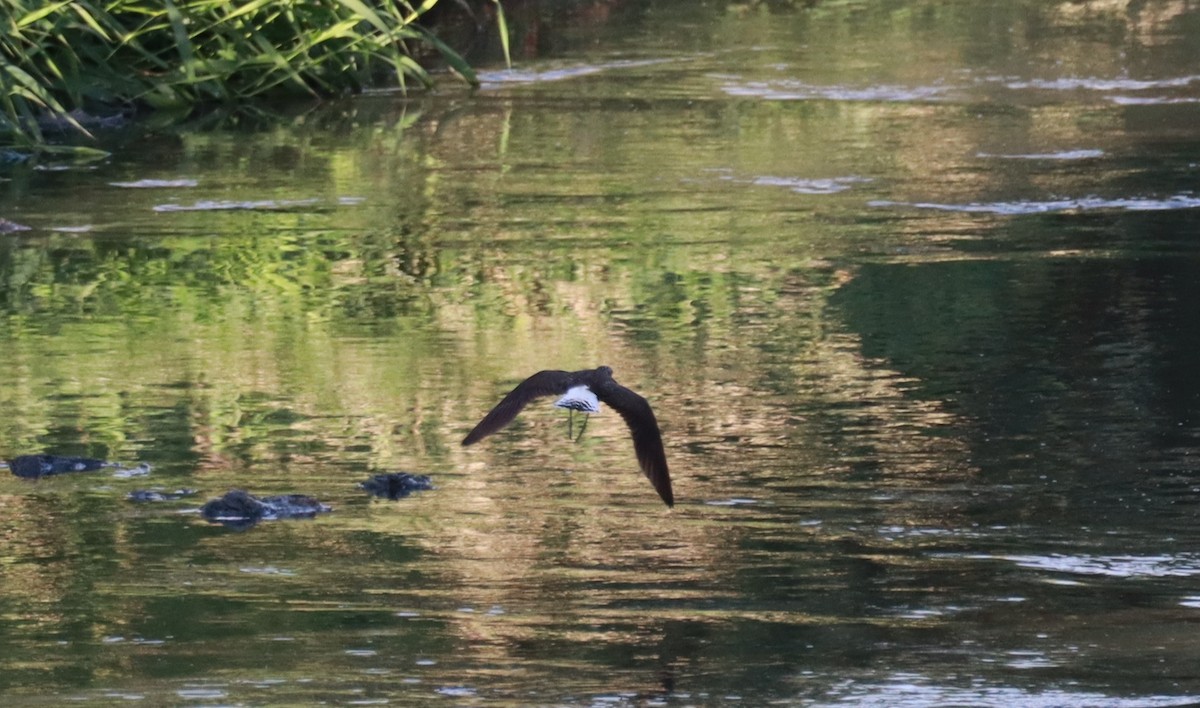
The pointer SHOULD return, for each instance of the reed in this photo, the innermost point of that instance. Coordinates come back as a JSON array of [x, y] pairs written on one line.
[[77, 55]]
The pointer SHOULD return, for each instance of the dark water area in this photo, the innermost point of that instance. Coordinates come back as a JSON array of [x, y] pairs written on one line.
[[912, 288]]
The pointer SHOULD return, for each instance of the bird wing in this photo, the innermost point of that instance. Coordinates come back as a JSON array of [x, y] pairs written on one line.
[[647, 441], [543, 383]]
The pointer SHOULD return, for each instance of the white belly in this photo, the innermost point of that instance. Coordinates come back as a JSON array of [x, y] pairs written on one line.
[[579, 398]]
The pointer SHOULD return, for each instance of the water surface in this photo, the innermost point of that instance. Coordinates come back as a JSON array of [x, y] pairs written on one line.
[[912, 289]]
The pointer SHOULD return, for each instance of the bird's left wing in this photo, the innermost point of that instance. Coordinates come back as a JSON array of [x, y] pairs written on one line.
[[543, 383]]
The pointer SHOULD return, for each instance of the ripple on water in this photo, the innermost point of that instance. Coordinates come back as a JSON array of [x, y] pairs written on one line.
[[1091, 83], [1161, 566], [903, 690], [1151, 100], [1014, 208], [492, 79], [199, 694], [255, 204], [457, 691], [156, 184], [1109, 86], [800, 185], [795, 90], [1060, 155], [735, 501], [361, 652], [266, 570]]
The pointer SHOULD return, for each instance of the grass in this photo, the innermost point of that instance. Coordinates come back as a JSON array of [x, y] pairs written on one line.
[[80, 55]]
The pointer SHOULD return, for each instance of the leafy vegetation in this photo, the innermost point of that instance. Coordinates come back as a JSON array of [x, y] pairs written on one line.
[[61, 59]]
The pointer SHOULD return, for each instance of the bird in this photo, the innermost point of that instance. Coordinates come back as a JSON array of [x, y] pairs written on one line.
[[584, 391], [578, 398]]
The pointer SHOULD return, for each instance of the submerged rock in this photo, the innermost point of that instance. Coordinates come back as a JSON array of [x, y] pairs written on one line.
[[33, 466], [242, 509], [396, 485], [91, 121]]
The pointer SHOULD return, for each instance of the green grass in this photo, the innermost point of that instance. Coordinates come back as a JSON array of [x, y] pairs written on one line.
[[91, 55]]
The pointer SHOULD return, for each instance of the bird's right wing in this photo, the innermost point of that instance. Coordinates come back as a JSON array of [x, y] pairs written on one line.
[[543, 383], [647, 441]]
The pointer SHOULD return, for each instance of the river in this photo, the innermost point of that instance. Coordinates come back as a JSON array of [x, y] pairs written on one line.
[[911, 286]]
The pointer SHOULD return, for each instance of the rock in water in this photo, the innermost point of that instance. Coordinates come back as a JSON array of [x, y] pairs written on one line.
[[396, 485], [242, 509], [34, 466]]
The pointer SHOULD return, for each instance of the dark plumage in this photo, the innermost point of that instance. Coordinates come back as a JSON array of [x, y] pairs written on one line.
[[647, 441]]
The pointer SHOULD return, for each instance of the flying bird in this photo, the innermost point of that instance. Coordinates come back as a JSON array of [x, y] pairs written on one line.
[[584, 391]]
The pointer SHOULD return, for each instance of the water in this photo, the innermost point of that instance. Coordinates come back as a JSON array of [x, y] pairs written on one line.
[[911, 288]]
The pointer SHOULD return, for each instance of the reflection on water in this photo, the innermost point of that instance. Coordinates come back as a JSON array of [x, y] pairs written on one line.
[[923, 359]]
